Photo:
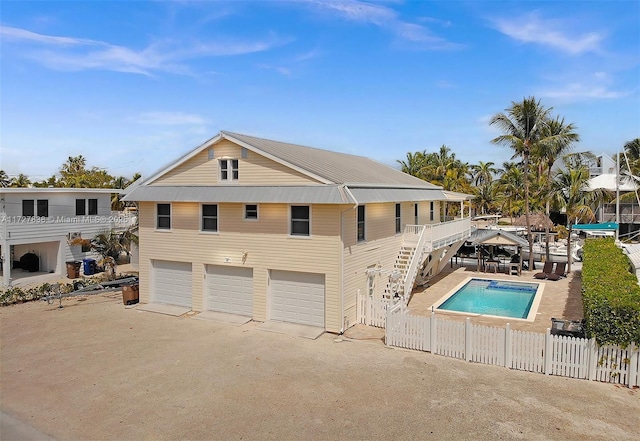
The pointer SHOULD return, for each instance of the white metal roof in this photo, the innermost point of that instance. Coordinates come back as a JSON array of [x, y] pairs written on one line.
[[13, 190]]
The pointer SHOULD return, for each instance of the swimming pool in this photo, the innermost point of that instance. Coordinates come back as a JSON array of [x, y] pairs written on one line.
[[499, 298]]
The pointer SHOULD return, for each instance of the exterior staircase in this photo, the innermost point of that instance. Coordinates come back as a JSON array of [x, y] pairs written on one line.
[[440, 241]]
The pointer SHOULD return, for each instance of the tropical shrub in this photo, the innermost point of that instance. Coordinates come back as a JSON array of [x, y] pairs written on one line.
[[610, 293]]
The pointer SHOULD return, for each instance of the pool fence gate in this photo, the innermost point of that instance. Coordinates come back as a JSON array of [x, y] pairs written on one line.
[[521, 350]]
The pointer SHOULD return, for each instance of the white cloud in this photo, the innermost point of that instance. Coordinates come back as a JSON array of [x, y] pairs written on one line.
[[576, 91], [383, 17], [76, 54], [531, 28]]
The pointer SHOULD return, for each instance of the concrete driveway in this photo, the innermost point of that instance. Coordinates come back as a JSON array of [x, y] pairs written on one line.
[[95, 370]]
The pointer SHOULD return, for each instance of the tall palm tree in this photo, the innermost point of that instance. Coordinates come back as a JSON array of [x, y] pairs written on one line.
[[510, 187], [483, 173], [522, 126], [571, 192], [413, 165], [557, 139]]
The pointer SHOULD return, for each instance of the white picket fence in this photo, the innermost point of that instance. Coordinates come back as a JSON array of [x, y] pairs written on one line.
[[370, 311], [527, 351]]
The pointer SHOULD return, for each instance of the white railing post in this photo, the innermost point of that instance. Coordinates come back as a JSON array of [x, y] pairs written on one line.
[[367, 308], [507, 346], [433, 337], [634, 358], [468, 340], [547, 352], [593, 359]]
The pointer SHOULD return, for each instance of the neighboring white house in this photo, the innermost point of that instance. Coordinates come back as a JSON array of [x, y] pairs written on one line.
[[44, 222]]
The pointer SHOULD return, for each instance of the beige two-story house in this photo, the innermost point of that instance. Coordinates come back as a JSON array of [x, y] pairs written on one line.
[[283, 232]]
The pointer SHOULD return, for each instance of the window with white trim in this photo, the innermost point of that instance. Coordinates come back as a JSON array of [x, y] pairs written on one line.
[[251, 212], [43, 207], [431, 211], [28, 208], [398, 219], [361, 225], [209, 217], [163, 216], [228, 169], [300, 220]]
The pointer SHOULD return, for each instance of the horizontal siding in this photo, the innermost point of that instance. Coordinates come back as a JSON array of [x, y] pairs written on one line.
[[255, 169], [60, 204], [198, 170], [235, 247]]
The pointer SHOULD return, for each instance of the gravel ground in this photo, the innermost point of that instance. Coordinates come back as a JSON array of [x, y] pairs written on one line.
[[97, 371]]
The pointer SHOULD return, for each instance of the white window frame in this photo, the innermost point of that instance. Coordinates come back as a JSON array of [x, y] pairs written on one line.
[[398, 217], [217, 217], [232, 173], [299, 236], [432, 212], [257, 212], [364, 224], [170, 215]]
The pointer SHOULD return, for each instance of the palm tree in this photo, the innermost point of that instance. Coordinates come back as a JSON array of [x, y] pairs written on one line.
[[483, 173], [5, 181], [20, 181], [571, 192], [522, 126], [557, 139], [413, 164], [485, 197]]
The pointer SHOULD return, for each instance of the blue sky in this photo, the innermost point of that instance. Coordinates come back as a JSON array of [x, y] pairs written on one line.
[[132, 85]]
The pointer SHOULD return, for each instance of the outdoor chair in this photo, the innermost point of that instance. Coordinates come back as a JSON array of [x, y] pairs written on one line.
[[559, 272], [546, 271], [515, 265]]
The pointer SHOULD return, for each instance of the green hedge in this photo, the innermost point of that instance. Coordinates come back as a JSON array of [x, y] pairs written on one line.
[[610, 294]]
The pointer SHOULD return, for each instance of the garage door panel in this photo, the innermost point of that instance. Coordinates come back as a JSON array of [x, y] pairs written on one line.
[[172, 283], [230, 289], [297, 297]]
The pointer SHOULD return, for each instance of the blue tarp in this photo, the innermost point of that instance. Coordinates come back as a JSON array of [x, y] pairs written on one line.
[[609, 226]]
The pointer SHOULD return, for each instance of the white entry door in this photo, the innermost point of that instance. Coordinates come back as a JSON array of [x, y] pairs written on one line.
[[297, 297], [171, 283], [230, 289]]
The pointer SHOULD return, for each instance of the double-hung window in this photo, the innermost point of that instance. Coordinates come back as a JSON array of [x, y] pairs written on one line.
[[251, 212], [93, 207], [228, 169], [27, 208], [300, 220], [398, 219], [80, 207], [431, 212], [43, 207], [209, 217], [361, 225], [163, 216]]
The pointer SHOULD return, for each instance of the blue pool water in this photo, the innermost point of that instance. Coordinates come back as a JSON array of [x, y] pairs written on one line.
[[493, 297]]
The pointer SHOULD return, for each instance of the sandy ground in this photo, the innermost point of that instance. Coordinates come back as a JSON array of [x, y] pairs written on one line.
[[96, 370]]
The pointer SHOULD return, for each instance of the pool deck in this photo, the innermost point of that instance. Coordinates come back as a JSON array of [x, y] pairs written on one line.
[[560, 299]]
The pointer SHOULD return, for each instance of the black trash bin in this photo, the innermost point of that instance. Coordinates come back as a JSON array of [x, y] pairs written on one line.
[[73, 269], [89, 266]]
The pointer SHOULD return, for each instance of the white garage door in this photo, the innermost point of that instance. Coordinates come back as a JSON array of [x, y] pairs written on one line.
[[171, 283], [230, 289], [297, 297]]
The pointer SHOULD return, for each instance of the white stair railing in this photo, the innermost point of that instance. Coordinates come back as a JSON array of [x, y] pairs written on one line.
[[412, 271]]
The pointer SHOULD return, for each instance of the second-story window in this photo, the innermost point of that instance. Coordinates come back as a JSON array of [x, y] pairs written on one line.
[[163, 217], [300, 220], [43, 207], [431, 212], [228, 169], [27, 208], [80, 207], [209, 217], [251, 212], [398, 219], [361, 225], [93, 207]]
